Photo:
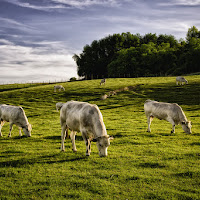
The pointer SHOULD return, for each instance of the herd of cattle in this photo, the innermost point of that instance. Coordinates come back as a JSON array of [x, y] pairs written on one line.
[[86, 118]]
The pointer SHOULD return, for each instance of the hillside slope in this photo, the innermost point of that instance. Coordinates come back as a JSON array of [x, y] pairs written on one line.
[[140, 165]]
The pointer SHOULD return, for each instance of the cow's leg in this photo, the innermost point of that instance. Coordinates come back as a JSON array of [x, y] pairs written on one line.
[[87, 144], [63, 135], [11, 126], [173, 124], [1, 125], [20, 131], [149, 120], [176, 82], [72, 136]]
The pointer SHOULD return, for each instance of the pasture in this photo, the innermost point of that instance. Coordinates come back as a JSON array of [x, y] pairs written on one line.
[[139, 165]]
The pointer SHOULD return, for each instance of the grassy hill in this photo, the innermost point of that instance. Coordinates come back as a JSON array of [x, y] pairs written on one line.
[[140, 165]]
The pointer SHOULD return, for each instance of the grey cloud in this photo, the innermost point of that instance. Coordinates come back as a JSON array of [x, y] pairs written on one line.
[[181, 3]]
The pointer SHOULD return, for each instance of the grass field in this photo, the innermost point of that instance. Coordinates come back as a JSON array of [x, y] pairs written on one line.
[[139, 165]]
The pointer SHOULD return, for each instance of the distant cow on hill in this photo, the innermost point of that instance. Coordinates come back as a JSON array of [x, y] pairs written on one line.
[[181, 80], [59, 87], [103, 81], [170, 112], [14, 115], [87, 119]]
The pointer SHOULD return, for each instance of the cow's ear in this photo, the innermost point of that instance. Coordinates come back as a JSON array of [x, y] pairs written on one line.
[[183, 122]]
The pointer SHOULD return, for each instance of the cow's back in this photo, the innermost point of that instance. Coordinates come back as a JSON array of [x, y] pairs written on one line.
[[163, 110], [12, 113], [181, 79], [82, 115]]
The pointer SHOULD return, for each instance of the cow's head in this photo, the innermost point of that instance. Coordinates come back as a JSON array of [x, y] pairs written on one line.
[[103, 142], [187, 126], [27, 130]]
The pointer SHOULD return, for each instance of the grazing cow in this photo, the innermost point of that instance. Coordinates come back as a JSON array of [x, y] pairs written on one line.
[[87, 119], [103, 81], [181, 80], [14, 115], [59, 87], [112, 93], [59, 105], [170, 112], [103, 97]]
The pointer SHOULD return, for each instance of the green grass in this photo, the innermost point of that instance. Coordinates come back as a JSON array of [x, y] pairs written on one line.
[[140, 165]]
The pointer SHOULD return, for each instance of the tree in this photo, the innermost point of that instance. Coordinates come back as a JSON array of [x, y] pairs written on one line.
[[193, 32], [128, 55]]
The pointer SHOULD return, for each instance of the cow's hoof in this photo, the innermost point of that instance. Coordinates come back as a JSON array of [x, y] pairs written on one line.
[[74, 150]]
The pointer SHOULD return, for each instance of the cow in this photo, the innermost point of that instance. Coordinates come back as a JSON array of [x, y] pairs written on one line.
[[103, 81], [103, 97], [14, 115], [181, 80], [112, 93], [170, 112], [59, 87], [87, 119]]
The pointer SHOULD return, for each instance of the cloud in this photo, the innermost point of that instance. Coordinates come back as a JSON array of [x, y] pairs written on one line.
[[50, 5], [5, 42], [48, 60], [181, 3], [46, 6], [86, 3], [11, 24]]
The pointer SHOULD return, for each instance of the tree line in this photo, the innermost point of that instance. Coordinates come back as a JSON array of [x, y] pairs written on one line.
[[129, 55]]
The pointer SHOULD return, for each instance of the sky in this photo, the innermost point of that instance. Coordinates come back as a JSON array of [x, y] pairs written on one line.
[[39, 37]]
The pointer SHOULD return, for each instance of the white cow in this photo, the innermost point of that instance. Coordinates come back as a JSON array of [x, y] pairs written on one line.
[[14, 115], [87, 119], [59, 87], [103, 81], [103, 97], [170, 112], [181, 80]]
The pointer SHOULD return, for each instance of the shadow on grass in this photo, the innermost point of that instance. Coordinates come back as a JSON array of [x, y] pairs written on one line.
[[195, 143], [172, 93], [151, 165], [55, 137], [49, 159], [188, 174], [19, 137], [114, 106]]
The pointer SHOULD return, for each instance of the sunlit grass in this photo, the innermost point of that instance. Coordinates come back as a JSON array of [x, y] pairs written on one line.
[[140, 165]]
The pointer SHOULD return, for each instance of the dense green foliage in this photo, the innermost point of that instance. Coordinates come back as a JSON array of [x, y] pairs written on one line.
[[128, 55], [140, 165]]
